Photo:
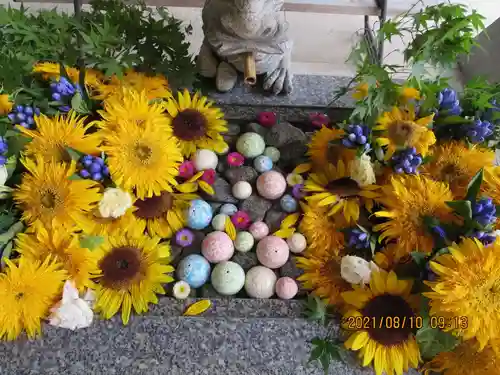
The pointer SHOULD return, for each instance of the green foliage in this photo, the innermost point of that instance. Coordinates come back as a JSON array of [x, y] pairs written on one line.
[[325, 351], [474, 186], [463, 208], [316, 309], [91, 242]]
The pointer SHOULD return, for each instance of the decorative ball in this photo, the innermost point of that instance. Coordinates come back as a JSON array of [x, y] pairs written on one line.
[[286, 288], [288, 203], [242, 190], [217, 247], [272, 252], [262, 163], [228, 209], [219, 222], [205, 159], [273, 153], [181, 290], [199, 214], [260, 282], [271, 185], [250, 145], [259, 230], [193, 269], [296, 243], [244, 241], [228, 278]]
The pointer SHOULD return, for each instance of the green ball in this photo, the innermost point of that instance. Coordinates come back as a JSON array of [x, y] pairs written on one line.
[[228, 278], [250, 145]]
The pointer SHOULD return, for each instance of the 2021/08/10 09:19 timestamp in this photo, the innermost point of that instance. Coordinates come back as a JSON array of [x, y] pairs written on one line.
[[396, 322]]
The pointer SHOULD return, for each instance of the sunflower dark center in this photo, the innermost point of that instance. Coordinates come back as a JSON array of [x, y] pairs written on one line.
[[383, 311], [49, 199], [401, 131], [19, 296], [119, 266], [449, 173], [143, 152], [153, 207], [344, 187], [189, 125]]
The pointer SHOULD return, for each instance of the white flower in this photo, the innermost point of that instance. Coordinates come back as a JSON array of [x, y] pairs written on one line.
[[72, 312], [361, 170], [114, 203], [356, 270], [4, 175], [181, 290]]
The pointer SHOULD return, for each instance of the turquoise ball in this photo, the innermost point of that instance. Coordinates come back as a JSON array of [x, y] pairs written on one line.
[[194, 269], [262, 164], [199, 214], [288, 203]]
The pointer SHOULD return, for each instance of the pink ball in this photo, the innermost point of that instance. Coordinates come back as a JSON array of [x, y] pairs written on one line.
[[259, 230], [286, 288], [272, 252], [217, 247], [271, 185]]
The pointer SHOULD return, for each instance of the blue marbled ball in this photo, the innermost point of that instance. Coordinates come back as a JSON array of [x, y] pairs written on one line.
[[288, 203], [199, 214], [194, 269], [263, 164], [228, 209]]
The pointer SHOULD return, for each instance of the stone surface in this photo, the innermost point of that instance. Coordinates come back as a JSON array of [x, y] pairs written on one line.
[[195, 247], [215, 206], [222, 192], [208, 291], [283, 134], [290, 269], [226, 77], [256, 128], [243, 173], [292, 152], [273, 219], [233, 129], [256, 207], [245, 260]]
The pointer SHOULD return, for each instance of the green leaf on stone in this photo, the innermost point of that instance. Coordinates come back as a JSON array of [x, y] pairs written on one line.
[[91, 242], [316, 309], [325, 351], [474, 186], [463, 208]]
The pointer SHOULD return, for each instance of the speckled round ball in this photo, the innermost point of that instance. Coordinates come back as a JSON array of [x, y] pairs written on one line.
[[288, 203], [273, 153], [250, 145], [242, 190], [297, 243], [286, 288], [205, 159], [271, 185], [262, 163], [217, 247], [244, 241], [193, 269], [272, 252], [228, 278], [260, 282], [199, 214], [228, 209], [259, 230], [219, 222]]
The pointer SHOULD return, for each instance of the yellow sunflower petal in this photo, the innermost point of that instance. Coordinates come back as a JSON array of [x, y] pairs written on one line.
[[206, 187], [198, 308], [230, 229]]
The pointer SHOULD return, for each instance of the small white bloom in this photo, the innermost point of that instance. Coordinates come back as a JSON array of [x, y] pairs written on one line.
[[361, 170], [114, 203], [356, 270], [181, 290], [72, 312], [4, 175]]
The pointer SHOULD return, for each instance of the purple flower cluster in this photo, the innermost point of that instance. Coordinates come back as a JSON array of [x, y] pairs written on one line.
[[4, 147], [406, 161], [357, 136], [448, 102], [484, 212], [93, 167], [62, 92], [479, 131], [356, 238], [23, 115], [487, 238]]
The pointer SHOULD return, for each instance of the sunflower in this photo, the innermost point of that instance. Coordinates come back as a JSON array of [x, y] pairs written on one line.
[[468, 288], [387, 300], [48, 198], [54, 134], [456, 163], [324, 148], [50, 70], [135, 107], [196, 124], [466, 359], [5, 104], [400, 129], [322, 276], [28, 289], [133, 270], [95, 224], [80, 263], [337, 189], [491, 186], [155, 87], [142, 159], [408, 94], [408, 200], [360, 91]]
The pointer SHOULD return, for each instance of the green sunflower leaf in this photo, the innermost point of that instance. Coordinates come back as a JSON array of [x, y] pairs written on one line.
[[73, 154], [463, 208], [5, 254], [474, 186], [325, 351], [79, 105], [316, 309], [91, 242]]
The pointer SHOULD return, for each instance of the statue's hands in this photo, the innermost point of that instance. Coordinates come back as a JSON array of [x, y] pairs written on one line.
[[279, 80]]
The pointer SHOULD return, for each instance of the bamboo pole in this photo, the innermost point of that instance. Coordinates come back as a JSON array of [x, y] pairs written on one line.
[[250, 72]]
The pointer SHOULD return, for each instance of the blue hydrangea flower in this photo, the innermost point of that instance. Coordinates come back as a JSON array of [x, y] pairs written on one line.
[[358, 239], [23, 115], [448, 102], [62, 92], [4, 147], [487, 238], [93, 167], [406, 161], [484, 211], [357, 136], [479, 131]]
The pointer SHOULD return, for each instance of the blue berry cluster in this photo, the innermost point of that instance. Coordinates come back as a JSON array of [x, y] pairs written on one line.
[[487, 238], [357, 136], [406, 161], [23, 115], [3, 150], [93, 167], [62, 92], [484, 212], [479, 131], [448, 102], [358, 239]]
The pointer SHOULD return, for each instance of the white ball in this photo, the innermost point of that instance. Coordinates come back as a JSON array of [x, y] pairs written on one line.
[[244, 241], [273, 153], [205, 159], [219, 222], [228, 278], [260, 282], [297, 243], [181, 290], [242, 190]]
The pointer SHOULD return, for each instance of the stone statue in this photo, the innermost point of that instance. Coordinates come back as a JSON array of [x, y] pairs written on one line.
[[236, 30]]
